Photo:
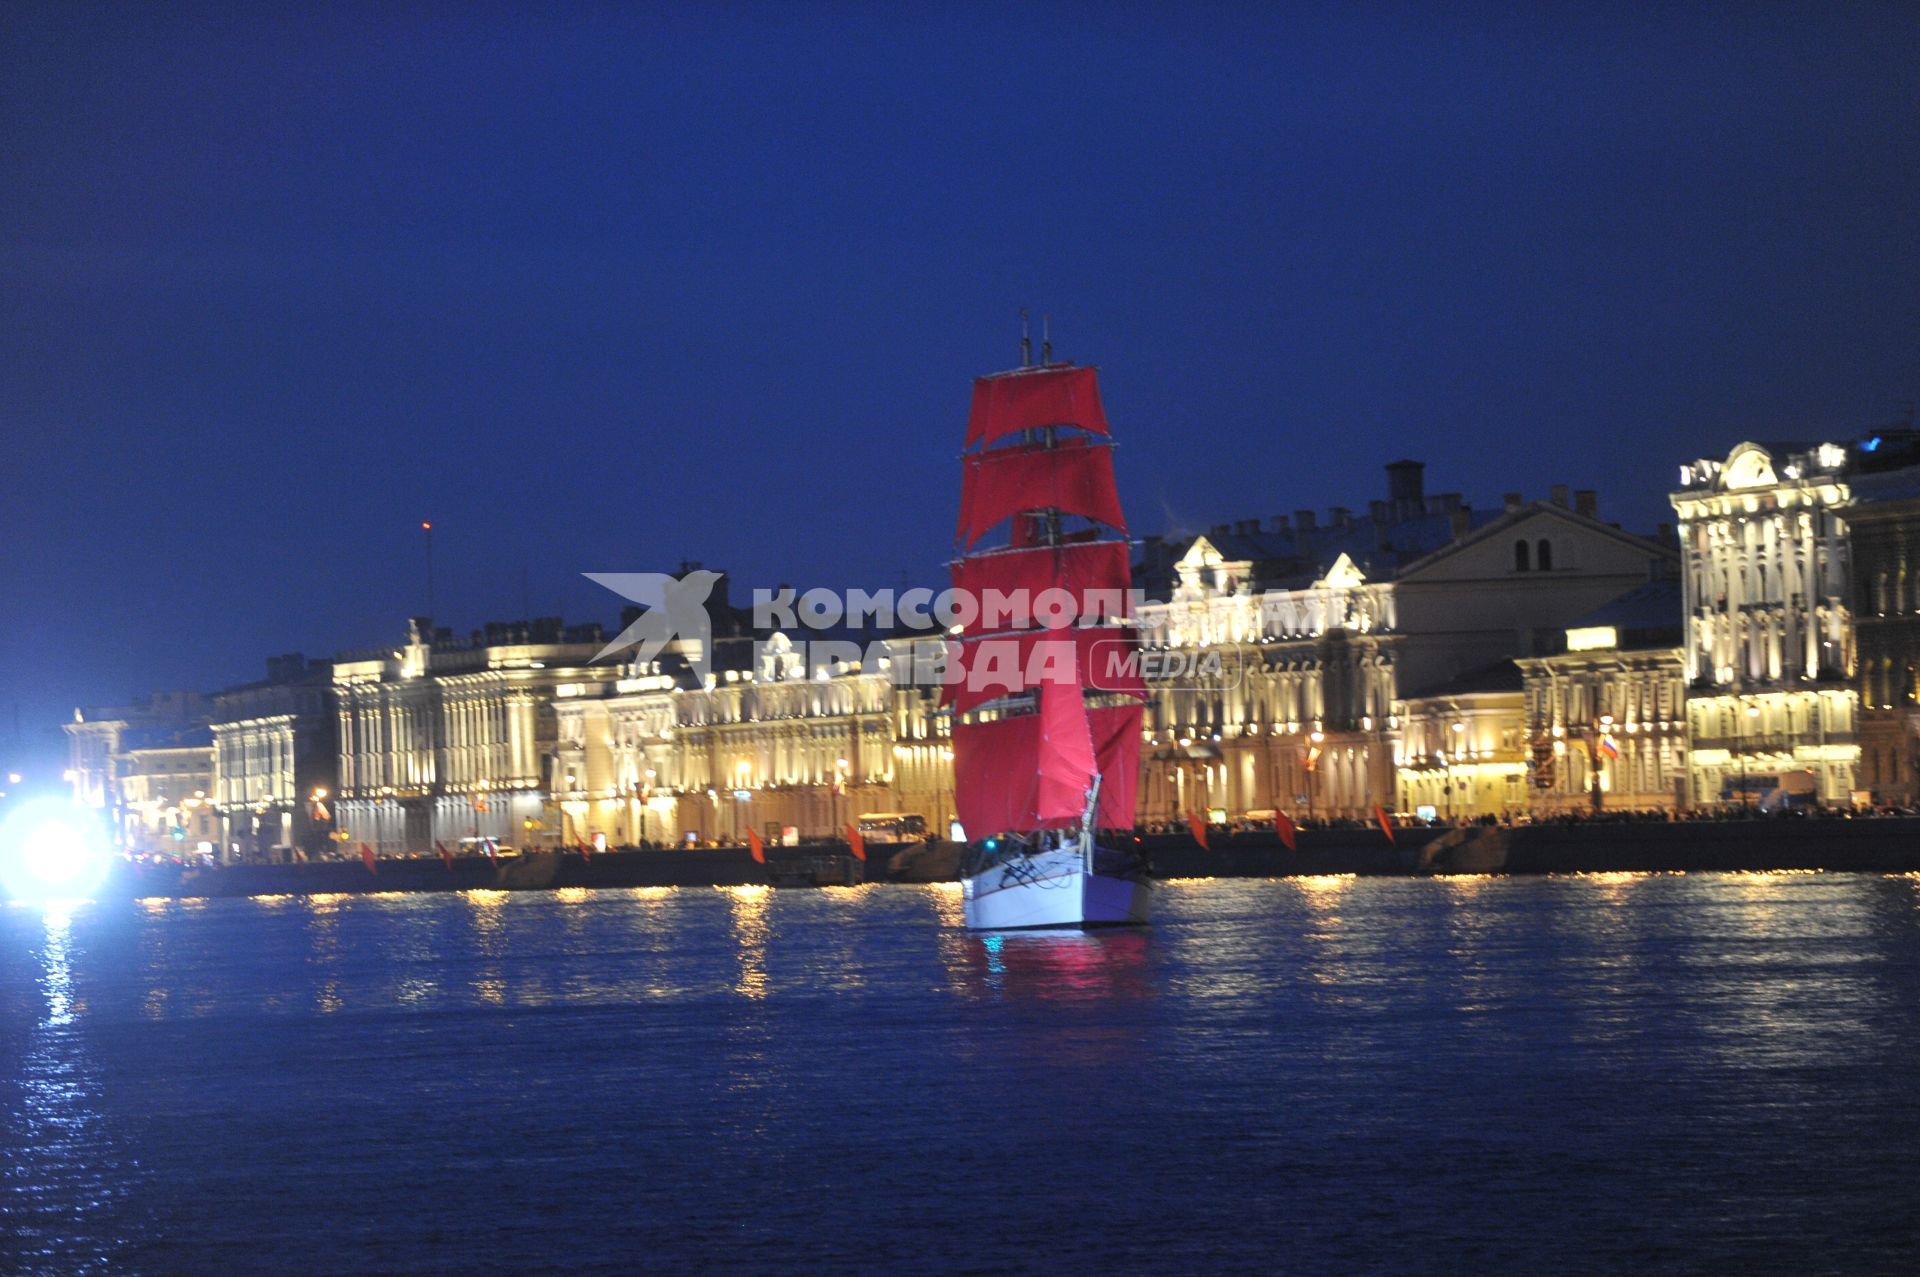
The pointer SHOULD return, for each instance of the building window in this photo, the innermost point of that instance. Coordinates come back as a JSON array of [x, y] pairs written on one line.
[[1544, 557], [1520, 556]]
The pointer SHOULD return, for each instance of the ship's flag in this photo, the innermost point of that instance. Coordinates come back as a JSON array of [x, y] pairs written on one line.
[[299, 856], [586, 850], [855, 843], [1199, 828], [366, 858], [1283, 825], [758, 848], [1386, 825], [493, 851], [1608, 747], [446, 857], [320, 811]]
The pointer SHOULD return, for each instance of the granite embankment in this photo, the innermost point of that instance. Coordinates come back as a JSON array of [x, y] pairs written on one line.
[[1886, 845]]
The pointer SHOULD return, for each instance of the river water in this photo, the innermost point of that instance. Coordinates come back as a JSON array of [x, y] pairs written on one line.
[[1684, 1073]]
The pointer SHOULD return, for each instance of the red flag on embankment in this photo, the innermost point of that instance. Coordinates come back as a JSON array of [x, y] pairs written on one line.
[[1199, 828], [754, 845], [855, 843], [1386, 825], [366, 858], [446, 857], [1283, 825]]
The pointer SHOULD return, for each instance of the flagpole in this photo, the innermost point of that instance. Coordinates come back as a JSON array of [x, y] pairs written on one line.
[[426, 529]]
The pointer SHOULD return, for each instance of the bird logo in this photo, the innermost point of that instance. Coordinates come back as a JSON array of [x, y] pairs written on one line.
[[675, 608]]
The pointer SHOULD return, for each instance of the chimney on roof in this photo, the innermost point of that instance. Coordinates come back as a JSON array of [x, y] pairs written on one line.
[[1339, 516], [1586, 501], [1278, 523], [1459, 521], [1217, 530], [1380, 511], [1404, 481], [284, 669], [1303, 519], [1560, 494], [1513, 500], [1247, 527]]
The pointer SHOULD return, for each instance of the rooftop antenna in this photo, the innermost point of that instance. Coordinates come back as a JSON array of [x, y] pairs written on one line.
[[1046, 342], [1026, 341]]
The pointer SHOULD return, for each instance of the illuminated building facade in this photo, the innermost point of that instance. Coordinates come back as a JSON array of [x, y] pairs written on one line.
[[1884, 523], [274, 761], [1769, 644], [1461, 750], [1606, 719], [103, 769], [165, 804], [442, 741], [1285, 657], [765, 742]]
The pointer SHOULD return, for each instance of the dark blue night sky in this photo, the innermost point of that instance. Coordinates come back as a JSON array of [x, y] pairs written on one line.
[[609, 287]]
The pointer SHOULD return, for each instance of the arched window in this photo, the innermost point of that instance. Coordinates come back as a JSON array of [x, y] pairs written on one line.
[[1519, 556], [1544, 555]]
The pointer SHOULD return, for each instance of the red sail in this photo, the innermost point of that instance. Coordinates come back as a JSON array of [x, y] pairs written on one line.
[[1106, 659], [1029, 399], [1025, 574], [1073, 477], [1116, 746], [993, 776], [1066, 756]]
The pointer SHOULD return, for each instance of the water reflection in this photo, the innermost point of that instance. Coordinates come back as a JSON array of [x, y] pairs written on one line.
[[323, 949], [748, 913], [1054, 966], [488, 923], [64, 1166]]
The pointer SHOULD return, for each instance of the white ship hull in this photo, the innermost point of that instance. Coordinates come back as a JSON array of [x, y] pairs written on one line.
[[1053, 889]]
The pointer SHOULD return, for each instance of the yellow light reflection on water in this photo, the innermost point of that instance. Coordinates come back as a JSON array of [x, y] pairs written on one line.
[[748, 906], [947, 904], [323, 944], [571, 895], [489, 933]]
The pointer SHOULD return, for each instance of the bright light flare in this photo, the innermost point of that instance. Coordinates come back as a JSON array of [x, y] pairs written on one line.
[[50, 852]]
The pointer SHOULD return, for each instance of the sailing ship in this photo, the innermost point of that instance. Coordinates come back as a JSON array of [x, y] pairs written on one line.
[[1046, 693]]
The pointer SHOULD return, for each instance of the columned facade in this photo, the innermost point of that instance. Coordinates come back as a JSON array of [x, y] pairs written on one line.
[[776, 748], [1769, 650], [446, 743], [1606, 728], [1278, 699]]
